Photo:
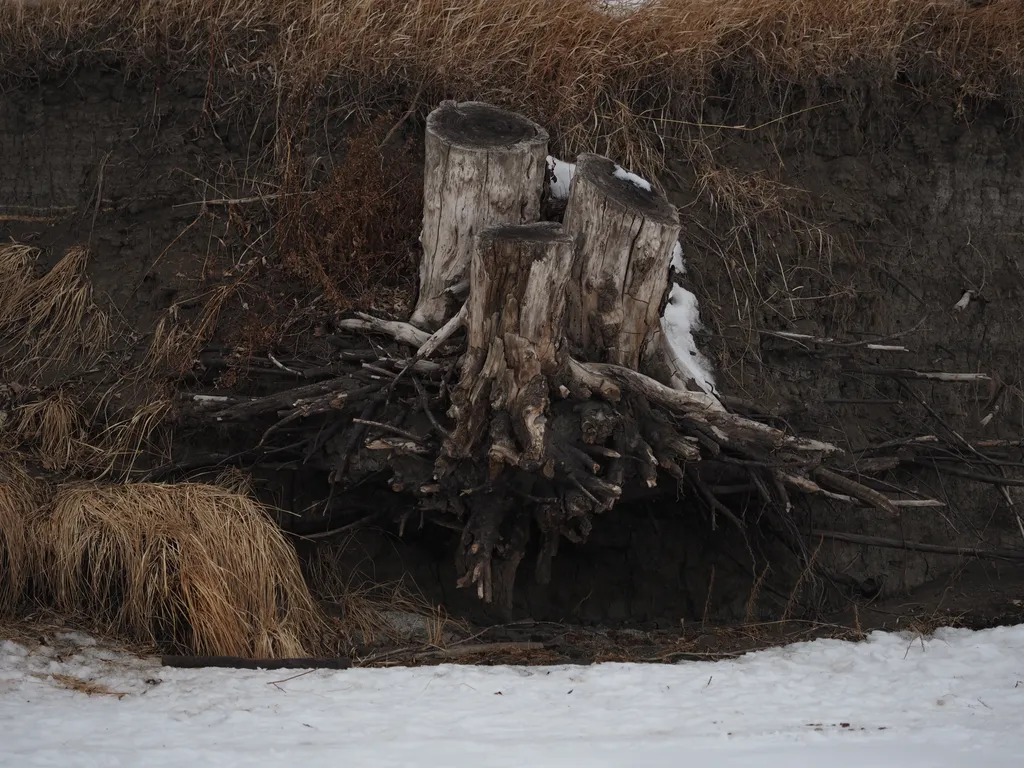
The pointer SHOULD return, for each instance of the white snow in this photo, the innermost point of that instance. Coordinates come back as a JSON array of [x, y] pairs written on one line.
[[897, 700], [622, 173], [680, 319], [563, 173], [677, 262]]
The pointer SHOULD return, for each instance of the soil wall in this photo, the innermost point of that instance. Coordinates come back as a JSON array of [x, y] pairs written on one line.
[[853, 220]]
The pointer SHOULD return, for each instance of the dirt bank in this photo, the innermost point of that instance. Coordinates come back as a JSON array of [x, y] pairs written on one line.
[[853, 215]]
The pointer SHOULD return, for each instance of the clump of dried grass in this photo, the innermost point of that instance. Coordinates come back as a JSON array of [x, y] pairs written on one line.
[[55, 428], [19, 497], [191, 565], [175, 344], [16, 263], [65, 435], [369, 608], [124, 441], [49, 323]]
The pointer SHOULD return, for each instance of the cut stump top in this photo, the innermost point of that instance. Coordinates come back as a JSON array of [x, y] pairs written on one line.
[[651, 204], [538, 232], [474, 125]]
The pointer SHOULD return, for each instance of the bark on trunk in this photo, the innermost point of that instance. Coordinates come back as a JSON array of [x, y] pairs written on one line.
[[485, 167], [626, 235], [514, 321]]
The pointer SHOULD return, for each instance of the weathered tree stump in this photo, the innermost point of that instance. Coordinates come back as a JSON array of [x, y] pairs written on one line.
[[514, 321], [484, 167], [626, 233]]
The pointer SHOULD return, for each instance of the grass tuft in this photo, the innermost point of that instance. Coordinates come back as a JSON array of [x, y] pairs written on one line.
[[192, 566], [48, 324], [19, 497]]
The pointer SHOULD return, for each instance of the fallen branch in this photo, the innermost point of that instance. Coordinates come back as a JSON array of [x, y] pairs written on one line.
[[442, 334], [405, 333], [980, 477], [852, 488], [915, 546], [906, 373]]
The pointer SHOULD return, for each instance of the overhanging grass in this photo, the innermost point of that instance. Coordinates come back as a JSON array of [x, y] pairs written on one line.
[[619, 83]]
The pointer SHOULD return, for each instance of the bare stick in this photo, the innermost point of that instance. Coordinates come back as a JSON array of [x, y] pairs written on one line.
[[391, 428], [915, 546], [442, 334], [906, 373], [402, 332], [853, 488]]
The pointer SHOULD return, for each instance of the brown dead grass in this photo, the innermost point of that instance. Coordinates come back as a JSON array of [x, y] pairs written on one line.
[[56, 428], [18, 498], [191, 565], [351, 235], [88, 687], [617, 83], [48, 324], [367, 607]]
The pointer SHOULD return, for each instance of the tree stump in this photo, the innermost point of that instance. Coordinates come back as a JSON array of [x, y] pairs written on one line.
[[484, 167], [515, 312], [626, 234]]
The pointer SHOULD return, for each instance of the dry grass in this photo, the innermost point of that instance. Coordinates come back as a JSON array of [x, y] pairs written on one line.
[[350, 236], [174, 346], [48, 323], [190, 565], [56, 428], [20, 495], [16, 262], [367, 608], [618, 83], [66, 436], [88, 687], [123, 442]]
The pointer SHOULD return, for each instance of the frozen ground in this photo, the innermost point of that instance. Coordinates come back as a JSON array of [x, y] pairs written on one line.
[[955, 699]]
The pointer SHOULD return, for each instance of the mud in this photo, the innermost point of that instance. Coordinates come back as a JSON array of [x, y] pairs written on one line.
[[861, 219]]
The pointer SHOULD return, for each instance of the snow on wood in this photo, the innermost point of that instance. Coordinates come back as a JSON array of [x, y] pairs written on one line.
[[632, 178], [680, 320], [560, 176], [677, 262]]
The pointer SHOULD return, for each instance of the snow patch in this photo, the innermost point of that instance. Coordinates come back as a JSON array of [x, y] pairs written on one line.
[[560, 177], [680, 320], [638, 181], [677, 262], [950, 700]]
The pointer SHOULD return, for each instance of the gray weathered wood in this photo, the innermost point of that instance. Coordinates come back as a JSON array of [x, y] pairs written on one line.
[[485, 167], [626, 235], [514, 322]]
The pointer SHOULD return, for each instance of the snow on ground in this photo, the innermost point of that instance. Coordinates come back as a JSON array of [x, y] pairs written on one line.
[[954, 699]]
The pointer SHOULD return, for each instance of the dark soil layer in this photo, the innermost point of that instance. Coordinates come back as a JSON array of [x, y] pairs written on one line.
[[852, 221]]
